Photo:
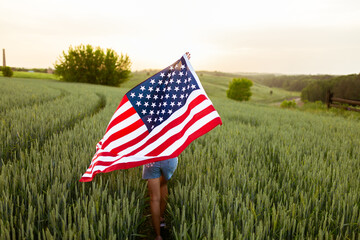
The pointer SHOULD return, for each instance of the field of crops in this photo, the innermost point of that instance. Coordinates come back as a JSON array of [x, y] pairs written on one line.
[[266, 173]]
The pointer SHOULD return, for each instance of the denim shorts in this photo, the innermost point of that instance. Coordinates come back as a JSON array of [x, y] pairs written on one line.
[[155, 169]]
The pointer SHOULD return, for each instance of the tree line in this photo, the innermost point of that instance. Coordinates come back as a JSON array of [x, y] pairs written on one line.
[[22, 69], [314, 87], [347, 87], [290, 82]]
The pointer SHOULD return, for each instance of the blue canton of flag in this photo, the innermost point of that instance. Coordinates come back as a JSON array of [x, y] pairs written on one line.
[[156, 99]]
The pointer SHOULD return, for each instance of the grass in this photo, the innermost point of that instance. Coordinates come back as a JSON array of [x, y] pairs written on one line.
[[320, 108]]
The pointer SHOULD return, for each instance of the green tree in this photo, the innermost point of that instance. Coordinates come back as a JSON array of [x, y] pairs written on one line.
[[93, 65], [7, 71], [239, 89], [347, 87], [316, 91]]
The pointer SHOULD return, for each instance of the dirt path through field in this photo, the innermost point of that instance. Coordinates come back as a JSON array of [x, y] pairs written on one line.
[[146, 229]]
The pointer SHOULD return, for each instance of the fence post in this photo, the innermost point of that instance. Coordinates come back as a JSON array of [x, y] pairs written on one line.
[[328, 98], [4, 59]]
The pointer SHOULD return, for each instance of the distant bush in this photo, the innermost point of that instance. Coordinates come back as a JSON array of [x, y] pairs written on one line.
[[93, 65], [239, 89], [7, 71], [288, 104]]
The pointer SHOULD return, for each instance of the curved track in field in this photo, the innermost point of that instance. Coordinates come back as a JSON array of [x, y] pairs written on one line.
[[15, 98], [11, 150]]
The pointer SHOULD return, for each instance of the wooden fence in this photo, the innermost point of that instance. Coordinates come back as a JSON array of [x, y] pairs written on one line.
[[332, 101]]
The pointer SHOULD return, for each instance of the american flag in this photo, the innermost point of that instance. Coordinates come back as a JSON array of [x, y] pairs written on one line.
[[156, 120]]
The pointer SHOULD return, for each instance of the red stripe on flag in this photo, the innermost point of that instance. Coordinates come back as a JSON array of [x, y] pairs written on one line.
[[204, 129], [122, 132], [113, 152], [131, 111], [96, 162], [123, 101], [130, 143], [170, 125], [177, 136]]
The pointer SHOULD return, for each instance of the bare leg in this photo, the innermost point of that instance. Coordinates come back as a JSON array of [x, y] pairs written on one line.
[[155, 196], [164, 195]]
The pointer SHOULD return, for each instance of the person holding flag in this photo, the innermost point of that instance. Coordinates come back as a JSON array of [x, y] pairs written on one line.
[[154, 122], [157, 175]]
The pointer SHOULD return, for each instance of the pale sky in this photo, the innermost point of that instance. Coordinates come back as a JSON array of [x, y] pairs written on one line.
[[277, 36]]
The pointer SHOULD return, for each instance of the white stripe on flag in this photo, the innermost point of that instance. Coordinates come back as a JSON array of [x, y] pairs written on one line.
[[171, 132], [123, 124], [121, 110], [116, 160], [130, 136], [193, 128]]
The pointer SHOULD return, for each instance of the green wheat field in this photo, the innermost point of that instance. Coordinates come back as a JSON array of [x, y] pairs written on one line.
[[266, 173]]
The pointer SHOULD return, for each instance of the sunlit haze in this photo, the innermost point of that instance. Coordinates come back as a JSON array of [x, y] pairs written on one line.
[[279, 36]]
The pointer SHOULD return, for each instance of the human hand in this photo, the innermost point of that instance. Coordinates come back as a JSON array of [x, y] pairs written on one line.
[[188, 55]]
